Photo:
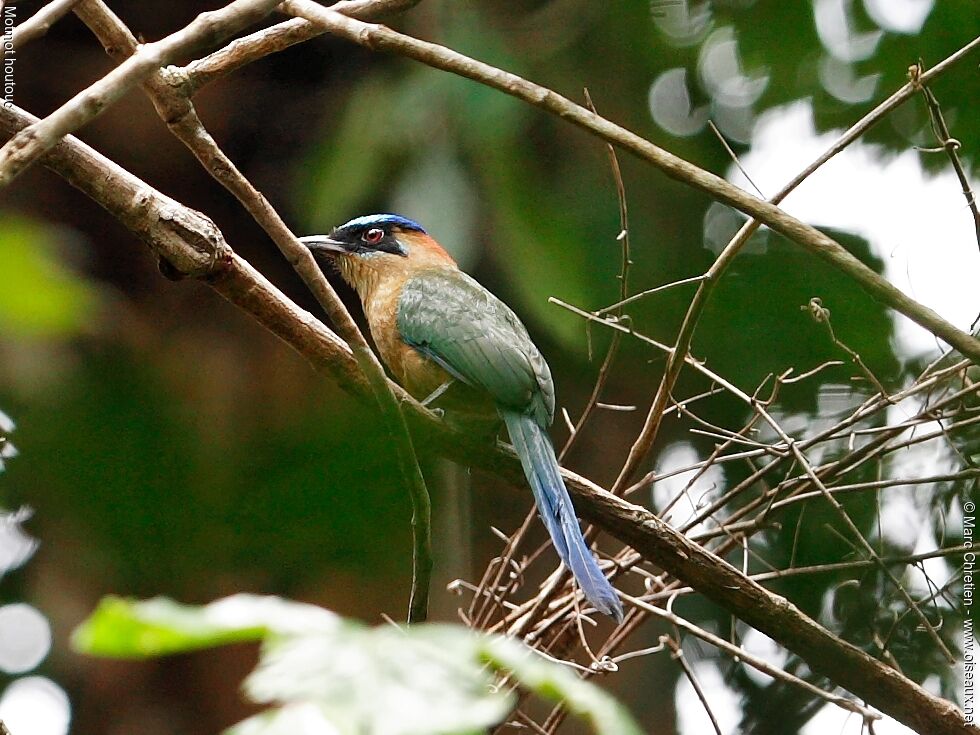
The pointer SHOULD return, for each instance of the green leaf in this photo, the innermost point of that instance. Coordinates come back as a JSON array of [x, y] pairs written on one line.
[[422, 681], [324, 675], [302, 718], [122, 628], [39, 295]]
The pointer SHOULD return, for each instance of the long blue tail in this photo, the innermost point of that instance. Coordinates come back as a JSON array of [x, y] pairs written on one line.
[[533, 447]]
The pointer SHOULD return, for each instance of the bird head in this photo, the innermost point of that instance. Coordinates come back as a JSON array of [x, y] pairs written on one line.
[[377, 247], [371, 236]]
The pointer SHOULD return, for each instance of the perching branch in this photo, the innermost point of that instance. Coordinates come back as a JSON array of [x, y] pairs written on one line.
[[192, 246]]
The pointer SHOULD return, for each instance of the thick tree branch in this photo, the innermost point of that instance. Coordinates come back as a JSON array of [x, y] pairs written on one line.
[[281, 36], [40, 23], [246, 49], [170, 95], [191, 244]]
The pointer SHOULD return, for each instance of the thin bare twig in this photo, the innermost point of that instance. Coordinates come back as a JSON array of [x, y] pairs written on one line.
[[858, 537], [39, 23], [731, 154], [740, 654], [821, 315], [624, 269], [677, 653], [643, 294], [947, 141]]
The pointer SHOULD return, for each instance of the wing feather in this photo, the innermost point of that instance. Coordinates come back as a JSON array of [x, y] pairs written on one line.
[[475, 337]]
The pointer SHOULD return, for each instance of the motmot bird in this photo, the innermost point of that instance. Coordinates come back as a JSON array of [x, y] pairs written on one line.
[[435, 326]]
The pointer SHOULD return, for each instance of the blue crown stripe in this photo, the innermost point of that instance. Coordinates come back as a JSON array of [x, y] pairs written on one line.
[[383, 219]]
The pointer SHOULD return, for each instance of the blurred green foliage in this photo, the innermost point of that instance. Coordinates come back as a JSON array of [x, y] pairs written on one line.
[[40, 296], [321, 673], [169, 499], [880, 54]]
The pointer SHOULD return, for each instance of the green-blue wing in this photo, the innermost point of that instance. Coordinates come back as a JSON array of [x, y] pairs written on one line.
[[475, 337]]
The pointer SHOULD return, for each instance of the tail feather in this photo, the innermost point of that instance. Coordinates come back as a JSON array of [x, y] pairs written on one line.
[[533, 447]]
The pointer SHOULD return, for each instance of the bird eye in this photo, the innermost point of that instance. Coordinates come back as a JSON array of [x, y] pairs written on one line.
[[373, 236]]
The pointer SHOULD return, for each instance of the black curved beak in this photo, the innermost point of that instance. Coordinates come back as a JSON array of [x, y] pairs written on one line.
[[323, 244]]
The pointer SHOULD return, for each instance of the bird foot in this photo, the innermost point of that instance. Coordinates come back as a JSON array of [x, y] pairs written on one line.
[[434, 395]]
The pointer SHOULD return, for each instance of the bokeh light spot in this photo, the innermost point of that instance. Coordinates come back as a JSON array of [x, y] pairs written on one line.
[[899, 16], [835, 24], [35, 705], [16, 546], [671, 107], [721, 72], [25, 638]]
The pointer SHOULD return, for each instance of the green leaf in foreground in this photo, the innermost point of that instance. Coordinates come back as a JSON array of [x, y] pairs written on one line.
[[322, 675], [121, 628], [385, 680]]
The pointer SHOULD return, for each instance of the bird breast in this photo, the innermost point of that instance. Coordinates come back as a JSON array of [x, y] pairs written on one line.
[[419, 375]]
